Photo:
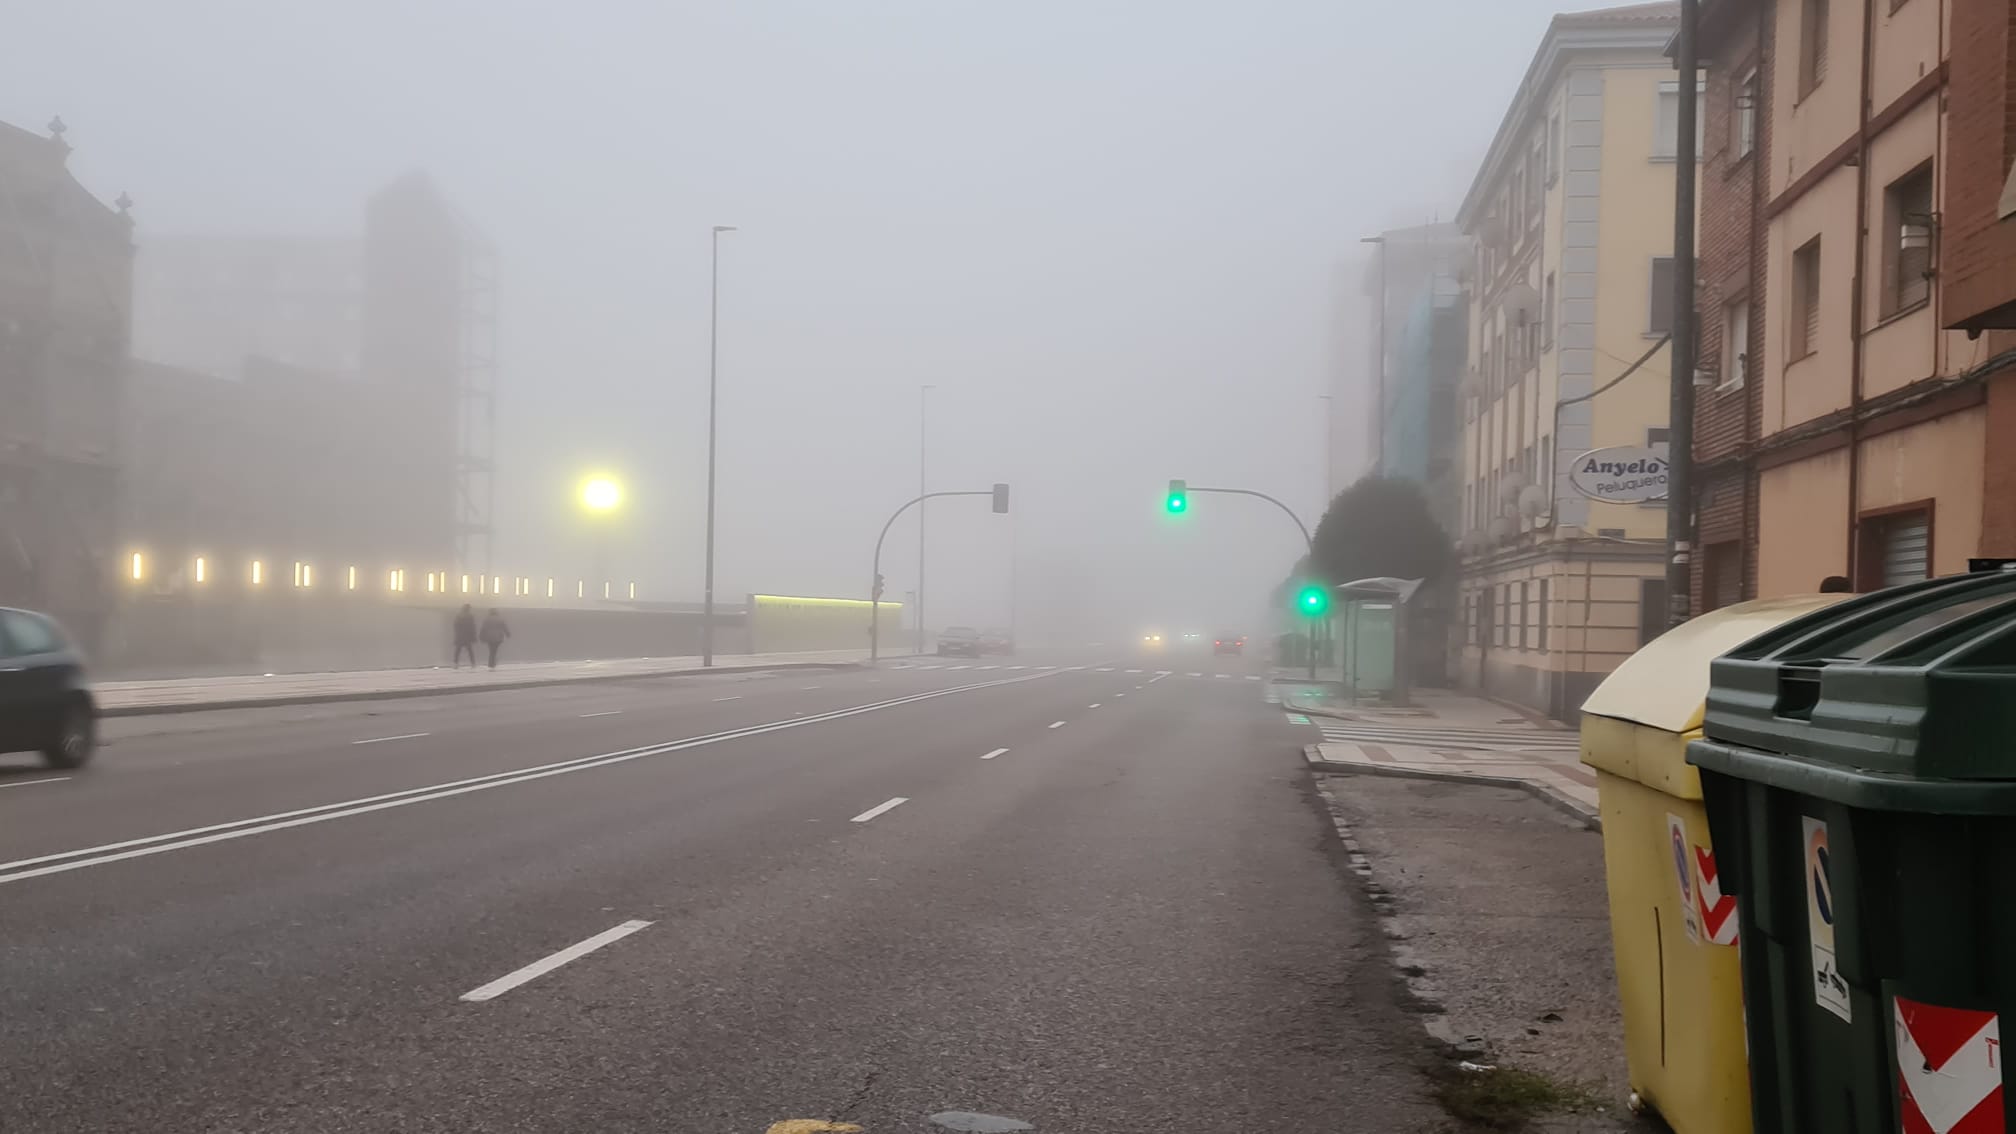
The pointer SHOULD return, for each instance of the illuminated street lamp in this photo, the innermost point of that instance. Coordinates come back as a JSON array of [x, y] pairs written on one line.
[[601, 494]]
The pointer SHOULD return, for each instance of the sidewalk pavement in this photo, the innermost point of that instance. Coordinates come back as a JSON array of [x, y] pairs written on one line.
[[1450, 736], [194, 694]]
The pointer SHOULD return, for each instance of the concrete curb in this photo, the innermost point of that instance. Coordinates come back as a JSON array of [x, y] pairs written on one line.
[[1574, 809], [447, 690], [1545, 724]]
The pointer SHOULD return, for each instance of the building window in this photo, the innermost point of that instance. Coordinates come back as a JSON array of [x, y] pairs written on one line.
[[1745, 117], [1651, 609], [1907, 241], [1804, 329], [1546, 616], [1661, 315], [1666, 129], [1536, 194], [1735, 343], [1525, 615], [1894, 548], [1553, 147], [1721, 575], [1812, 44]]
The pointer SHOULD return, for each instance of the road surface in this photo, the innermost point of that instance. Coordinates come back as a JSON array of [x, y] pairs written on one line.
[[1071, 890]]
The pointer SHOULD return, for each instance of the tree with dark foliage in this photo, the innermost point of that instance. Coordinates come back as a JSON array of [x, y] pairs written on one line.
[[1381, 526]]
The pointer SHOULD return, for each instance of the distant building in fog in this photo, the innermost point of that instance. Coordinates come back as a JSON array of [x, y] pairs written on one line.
[[207, 303], [1422, 341], [321, 400], [65, 301]]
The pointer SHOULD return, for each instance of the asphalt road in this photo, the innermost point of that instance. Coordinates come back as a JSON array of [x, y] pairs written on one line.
[[1061, 888]]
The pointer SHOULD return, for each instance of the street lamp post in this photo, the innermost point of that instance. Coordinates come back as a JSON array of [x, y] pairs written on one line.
[[713, 387], [1329, 449], [923, 490]]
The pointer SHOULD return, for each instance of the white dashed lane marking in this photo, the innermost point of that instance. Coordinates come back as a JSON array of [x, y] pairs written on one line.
[[880, 808], [552, 961]]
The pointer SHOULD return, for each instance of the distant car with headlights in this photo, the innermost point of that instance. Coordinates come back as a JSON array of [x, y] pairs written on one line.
[[959, 642], [1229, 644], [45, 697], [1152, 640]]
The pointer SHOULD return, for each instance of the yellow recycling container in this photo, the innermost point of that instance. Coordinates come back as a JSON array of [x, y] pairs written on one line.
[[1673, 929]]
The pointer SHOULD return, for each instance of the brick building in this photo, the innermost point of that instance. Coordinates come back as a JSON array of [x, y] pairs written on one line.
[[1849, 234], [1977, 288], [1732, 296]]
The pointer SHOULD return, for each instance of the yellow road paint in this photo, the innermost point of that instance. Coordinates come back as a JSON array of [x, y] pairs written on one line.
[[812, 1126]]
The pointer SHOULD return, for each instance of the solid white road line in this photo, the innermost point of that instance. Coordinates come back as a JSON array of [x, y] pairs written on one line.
[[547, 964], [26, 868], [401, 736], [32, 783], [1056, 724], [879, 808], [736, 697], [996, 752], [603, 713], [1104, 669], [1093, 705]]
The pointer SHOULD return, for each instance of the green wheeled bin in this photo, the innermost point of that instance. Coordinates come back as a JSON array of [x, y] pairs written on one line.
[[1858, 766]]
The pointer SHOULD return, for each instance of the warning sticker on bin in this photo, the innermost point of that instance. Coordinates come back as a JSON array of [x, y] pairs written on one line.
[[1830, 990], [1949, 1069], [1718, 910], [1683, 873]]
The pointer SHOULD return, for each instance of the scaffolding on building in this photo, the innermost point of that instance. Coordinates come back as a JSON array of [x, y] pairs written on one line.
[[476, 401]]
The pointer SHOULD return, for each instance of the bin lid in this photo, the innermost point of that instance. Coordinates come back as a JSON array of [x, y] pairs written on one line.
[[1664, 683], [1916, 681]]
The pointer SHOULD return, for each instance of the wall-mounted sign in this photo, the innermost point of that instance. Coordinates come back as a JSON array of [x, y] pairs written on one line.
[[1625, 474]]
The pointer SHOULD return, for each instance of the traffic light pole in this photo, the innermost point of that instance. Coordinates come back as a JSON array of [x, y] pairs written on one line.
[[1299, 526], [998, 492]]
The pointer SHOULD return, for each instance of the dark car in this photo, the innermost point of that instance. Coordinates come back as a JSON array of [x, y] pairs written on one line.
[[959, 641], [997, 642], [45, 699], [1229, 644]]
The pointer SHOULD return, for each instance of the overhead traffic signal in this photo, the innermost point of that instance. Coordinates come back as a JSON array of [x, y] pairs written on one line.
[[1312, 601], [878, 584], [1000, 499], [1178, 500]]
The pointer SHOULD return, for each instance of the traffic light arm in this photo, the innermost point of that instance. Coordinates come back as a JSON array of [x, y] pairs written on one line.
[[1299, 525], [874, 592]]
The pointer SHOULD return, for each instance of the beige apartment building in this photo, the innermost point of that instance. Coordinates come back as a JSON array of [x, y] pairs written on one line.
[[1871, 429], [1572, 214]]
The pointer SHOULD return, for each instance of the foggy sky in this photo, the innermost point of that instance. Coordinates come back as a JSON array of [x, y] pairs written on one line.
[[1108, 233]]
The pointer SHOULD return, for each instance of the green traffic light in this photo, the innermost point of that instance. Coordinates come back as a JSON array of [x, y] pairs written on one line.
[[1178, 504], [1313, 601], [1178, 499]]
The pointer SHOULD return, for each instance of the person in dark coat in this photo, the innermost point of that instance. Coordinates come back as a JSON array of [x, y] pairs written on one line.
[[493, 635], [465, 636]]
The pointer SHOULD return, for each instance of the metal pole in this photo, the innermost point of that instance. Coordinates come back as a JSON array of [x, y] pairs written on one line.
[[923, 490], [1329, 450], [713, 362], [1379, 373], [875, 600], [1680, 426]]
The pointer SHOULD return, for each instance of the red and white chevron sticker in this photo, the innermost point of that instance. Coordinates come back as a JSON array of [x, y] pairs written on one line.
[[1718, 910], [1949, 1069]]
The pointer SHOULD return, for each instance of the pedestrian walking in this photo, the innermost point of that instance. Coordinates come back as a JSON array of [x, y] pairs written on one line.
[[494, 633], [465, 636]]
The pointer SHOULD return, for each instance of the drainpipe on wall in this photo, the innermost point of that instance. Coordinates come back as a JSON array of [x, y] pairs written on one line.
[[1680, 414], [1855, 306]]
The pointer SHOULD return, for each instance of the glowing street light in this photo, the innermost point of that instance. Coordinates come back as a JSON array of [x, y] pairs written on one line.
[[601, 494]]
